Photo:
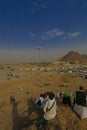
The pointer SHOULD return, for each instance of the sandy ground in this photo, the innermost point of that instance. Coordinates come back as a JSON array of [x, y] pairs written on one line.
[[33, 86]]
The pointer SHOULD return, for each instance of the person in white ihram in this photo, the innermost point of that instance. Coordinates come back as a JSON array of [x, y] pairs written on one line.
[[50, 107]]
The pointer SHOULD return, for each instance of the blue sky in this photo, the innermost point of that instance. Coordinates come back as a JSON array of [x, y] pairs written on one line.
[[57, 26]]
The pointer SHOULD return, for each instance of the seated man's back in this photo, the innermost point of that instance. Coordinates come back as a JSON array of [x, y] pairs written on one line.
[[80, 97]]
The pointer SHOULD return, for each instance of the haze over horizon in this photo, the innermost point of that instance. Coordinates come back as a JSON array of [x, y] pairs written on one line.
[[57, 26]]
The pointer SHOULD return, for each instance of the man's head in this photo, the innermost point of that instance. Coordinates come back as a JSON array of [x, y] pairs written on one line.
[[51, 95], [81, 88]]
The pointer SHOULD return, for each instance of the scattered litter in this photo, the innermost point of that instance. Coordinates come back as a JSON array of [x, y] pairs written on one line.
[[20, 88]]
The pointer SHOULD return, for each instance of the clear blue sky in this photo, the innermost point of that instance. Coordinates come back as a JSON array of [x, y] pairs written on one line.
[[55, 25]]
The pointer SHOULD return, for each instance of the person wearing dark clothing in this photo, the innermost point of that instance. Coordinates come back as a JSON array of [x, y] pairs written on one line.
[[80, 103], [80, 97], [12, 99], [66, 99]]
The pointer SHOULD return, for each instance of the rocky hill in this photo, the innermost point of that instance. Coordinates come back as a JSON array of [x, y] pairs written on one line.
[[74, 56]]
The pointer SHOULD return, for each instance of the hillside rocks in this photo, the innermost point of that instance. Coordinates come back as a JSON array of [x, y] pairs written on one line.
[[73, 56]]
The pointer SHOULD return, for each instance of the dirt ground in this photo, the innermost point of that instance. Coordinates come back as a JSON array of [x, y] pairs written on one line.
[[18, 117]]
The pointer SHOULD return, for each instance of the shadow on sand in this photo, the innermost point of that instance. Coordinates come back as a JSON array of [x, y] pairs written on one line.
[[33, 108], [34, 115], [19, 122]]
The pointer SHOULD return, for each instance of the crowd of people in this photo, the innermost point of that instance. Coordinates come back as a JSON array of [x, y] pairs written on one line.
[[47, 102]]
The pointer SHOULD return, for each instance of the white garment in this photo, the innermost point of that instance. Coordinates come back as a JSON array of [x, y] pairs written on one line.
[[80, 110], [52, 112], [44, 102], [57, 95], [41, 99]]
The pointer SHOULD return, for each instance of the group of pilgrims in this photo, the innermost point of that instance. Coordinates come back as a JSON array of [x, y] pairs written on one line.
[[47, 103]]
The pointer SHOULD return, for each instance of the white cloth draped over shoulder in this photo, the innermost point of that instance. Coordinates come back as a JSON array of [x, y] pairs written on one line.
[[81, 110], [48, 115]]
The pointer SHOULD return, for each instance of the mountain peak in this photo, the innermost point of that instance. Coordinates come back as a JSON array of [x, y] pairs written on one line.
[[73, 56]]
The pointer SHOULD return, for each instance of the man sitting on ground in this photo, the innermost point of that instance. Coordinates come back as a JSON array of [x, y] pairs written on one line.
[[80, 97], [39, 101], [80, 103], [49, 110], [66, 99]]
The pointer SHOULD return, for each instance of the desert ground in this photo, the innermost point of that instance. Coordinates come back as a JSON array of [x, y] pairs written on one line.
[[28, 81]]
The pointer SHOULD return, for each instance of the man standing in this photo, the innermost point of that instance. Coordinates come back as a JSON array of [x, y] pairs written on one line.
[[12, 99]]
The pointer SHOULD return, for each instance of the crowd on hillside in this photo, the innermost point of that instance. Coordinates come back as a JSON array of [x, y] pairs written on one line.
[[47, 103]]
